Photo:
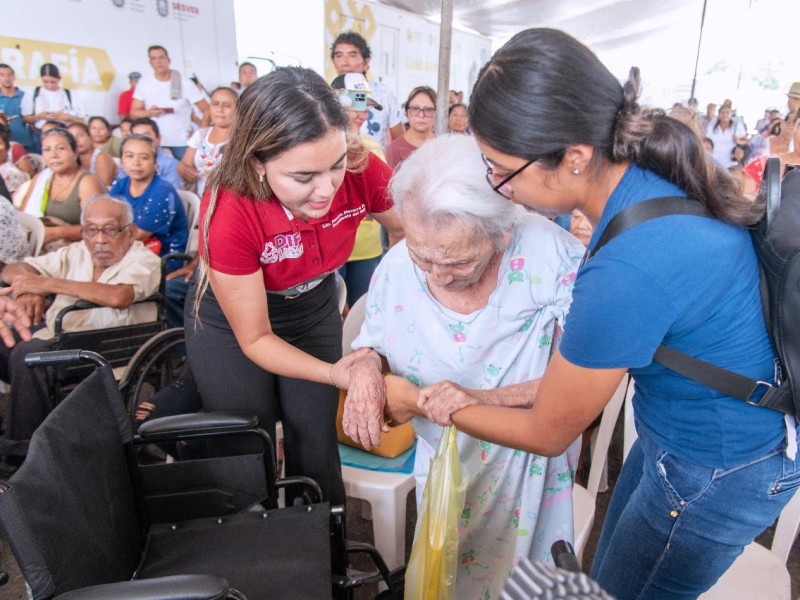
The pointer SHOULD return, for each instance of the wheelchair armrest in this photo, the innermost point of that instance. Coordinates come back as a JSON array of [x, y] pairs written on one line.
[[195, 424], [85, 305], [176, 587]]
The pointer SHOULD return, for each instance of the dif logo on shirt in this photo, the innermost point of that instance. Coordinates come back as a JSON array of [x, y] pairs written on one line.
[[284, 246]]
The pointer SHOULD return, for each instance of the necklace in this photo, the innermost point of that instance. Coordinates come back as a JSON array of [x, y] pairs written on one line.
[[64, 188]]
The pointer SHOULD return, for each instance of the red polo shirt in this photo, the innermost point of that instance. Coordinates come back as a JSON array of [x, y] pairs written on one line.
[[247, 235], [124, 103]]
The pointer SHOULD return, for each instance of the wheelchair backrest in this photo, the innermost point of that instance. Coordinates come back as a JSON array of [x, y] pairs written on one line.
[[69, 512]]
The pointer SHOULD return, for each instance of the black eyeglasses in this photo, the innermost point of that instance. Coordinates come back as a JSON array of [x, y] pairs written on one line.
[[109, 231], [417, 111], [491, 177]]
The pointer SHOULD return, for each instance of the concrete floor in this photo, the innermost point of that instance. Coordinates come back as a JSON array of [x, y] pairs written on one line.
[[360, 529]]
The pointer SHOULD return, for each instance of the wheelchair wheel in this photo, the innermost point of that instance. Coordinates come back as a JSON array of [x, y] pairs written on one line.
[[158, 363]]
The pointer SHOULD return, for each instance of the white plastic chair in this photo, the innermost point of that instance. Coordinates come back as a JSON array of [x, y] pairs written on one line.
[[760, 573], [386, 492], [19, 195], [629, 430], [191, 205], [584, 499], [34, 227], [341, 297]]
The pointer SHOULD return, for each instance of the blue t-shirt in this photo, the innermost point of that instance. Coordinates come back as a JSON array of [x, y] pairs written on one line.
[[12, 107], [167, 169], [158, 210], [692, 284]]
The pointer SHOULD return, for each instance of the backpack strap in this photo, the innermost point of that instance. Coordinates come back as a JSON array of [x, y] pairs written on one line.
[[725, 381], [38, 89], [641, 212]]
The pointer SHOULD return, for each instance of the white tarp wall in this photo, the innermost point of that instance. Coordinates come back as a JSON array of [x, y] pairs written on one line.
[[95, 43], [269, 34]]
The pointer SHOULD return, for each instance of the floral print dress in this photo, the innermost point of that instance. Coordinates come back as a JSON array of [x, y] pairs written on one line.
[[206, 156], [517, 504]]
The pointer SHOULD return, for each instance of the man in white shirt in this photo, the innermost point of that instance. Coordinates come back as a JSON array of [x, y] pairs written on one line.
[[108, 268], [247, 75], [168, 97], [350, 53]]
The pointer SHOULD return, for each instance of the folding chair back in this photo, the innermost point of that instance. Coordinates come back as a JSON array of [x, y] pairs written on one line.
[[191, 205], [34, 228], [69, 513]]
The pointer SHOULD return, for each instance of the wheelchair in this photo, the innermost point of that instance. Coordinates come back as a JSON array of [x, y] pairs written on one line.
[[120, 346], [85, 520], [158, 363]]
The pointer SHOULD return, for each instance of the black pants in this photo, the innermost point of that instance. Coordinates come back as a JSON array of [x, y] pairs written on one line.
[[29, 400], [229, 381]]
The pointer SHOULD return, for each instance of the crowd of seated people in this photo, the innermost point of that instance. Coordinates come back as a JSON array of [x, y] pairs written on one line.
[[109, 267]]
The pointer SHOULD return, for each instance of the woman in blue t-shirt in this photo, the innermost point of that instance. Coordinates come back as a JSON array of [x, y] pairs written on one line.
[[158, 213], [708, 472]]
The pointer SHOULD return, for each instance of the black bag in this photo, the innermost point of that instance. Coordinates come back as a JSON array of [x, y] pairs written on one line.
[[777, 242]]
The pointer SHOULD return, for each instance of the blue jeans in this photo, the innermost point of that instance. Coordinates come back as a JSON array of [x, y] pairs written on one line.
[[175, 293], [673, 527], [177, 151], [357, 275]]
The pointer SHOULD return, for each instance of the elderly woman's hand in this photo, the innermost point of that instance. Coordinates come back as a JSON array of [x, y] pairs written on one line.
[[441, 400], [366, 397]]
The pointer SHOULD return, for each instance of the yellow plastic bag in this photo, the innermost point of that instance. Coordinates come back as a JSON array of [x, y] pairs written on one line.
[[431, 571]]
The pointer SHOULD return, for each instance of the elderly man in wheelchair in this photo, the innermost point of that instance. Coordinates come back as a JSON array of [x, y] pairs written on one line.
[[107, 268]]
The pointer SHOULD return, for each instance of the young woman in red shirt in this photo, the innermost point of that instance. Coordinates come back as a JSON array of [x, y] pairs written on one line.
[[278, 218]]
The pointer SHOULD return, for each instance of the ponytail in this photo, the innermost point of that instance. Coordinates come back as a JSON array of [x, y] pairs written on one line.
[[666, 146]]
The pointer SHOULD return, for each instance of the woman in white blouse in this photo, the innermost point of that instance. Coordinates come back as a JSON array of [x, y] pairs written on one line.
[[205, 146]]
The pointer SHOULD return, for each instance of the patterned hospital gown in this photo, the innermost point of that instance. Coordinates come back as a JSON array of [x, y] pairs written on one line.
[[517, 504]]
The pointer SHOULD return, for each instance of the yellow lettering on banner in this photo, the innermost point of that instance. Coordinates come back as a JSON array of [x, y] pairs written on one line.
[[364, 14], [417, 64], [357, 17], [81, 67]]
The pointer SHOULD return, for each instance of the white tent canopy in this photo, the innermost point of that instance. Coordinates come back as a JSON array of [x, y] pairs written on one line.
[[599, 23], [744, 42]]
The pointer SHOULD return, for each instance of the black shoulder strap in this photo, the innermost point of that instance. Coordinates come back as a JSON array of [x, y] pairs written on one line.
[[645, 211], [729, 383], [710, 375], [36, 94]]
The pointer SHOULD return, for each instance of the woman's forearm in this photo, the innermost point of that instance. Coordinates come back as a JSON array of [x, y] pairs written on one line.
[[70, 233], [520, 395], [273, 354]]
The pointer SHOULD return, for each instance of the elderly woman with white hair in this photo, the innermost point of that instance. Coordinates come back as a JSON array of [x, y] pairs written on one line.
[[475, 293]]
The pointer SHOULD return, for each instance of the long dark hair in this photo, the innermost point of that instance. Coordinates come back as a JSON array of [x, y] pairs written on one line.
[[285, 108], [544, 91]]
